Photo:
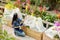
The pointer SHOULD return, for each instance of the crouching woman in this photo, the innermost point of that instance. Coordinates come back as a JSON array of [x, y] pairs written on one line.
[[16, 23]]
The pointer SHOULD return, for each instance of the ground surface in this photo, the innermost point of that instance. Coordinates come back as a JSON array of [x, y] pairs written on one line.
[[11, 31]]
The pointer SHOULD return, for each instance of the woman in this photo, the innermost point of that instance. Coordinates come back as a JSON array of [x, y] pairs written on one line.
[[16, 22]]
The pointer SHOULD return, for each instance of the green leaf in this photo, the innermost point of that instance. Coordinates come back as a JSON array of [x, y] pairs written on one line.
[[56, 36], [2, 37], [27, 26], [5, 33], [11, 38]]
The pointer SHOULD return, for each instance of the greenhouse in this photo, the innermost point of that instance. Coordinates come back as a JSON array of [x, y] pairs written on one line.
[[29, 19]]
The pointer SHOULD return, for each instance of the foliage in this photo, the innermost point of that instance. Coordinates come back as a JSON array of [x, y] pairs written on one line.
[[52, 3], [10, 6], [23, 0], [5, 36], [13, 0], [35, 2], [37, 13], [27, 26], [48, 17], [32, 2], [45, 16], [56, 36]]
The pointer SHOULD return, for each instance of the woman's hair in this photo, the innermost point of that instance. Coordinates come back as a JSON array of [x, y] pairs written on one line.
[[15, 17]]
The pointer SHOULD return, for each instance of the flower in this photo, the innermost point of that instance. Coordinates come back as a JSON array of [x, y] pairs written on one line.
[[58, 15], [27, 7], [41, 8], [32, 12], [17, 3], [56, 11], [8, 6], [28, 1], [57, 23]]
